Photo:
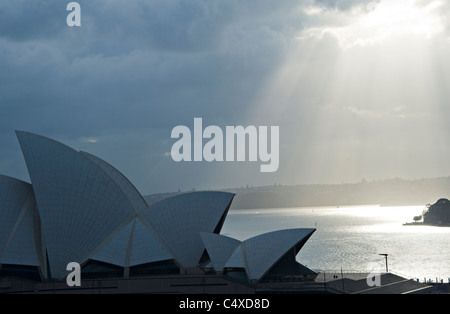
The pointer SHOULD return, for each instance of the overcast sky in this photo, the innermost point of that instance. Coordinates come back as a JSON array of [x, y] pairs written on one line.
[[359, 89]]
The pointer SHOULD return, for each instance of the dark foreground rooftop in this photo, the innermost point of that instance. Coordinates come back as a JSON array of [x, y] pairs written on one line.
[[356, 283], [325, 283]]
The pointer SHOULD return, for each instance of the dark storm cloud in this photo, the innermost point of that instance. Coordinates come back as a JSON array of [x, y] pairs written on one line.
[[134, 68], [22, 20], [141, 61]]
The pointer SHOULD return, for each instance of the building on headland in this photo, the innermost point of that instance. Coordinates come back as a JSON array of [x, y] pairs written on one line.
[[79, 208]]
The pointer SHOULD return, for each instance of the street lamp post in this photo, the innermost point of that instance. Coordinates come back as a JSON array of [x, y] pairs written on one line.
[[386, 258]]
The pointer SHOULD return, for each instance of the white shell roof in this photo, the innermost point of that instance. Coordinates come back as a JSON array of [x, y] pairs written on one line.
[[263, 251], [133, 195], [219, 248], [115, 251], [179, 220], [257, 254], [79, 204], [87, 209], [145, 248], [236, 259], [17, 232], [134, 245]]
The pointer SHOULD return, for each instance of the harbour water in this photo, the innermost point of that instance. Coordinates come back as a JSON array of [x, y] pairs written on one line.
[[352, 238]]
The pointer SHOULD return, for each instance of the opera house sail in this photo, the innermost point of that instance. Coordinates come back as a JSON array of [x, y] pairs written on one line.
[[79, 208]]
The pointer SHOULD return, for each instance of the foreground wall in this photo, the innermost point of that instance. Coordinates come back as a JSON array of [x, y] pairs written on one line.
[[190, 284]]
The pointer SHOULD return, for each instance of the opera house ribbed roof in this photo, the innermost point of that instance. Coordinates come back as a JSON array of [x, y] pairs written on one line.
[[78, 208]]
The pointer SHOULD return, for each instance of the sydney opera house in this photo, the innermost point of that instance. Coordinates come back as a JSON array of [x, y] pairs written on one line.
[[78, 208]]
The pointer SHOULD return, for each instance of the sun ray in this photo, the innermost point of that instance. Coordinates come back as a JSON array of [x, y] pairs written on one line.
[[361, 98]]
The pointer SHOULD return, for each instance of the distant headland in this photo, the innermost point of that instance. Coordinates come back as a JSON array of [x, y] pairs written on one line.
[[437, 214], [390, 192]]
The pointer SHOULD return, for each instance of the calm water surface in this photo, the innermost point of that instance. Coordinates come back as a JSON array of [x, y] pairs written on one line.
[[352, 238]]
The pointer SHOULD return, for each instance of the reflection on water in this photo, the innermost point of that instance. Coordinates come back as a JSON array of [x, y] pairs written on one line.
[[353, 237]]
